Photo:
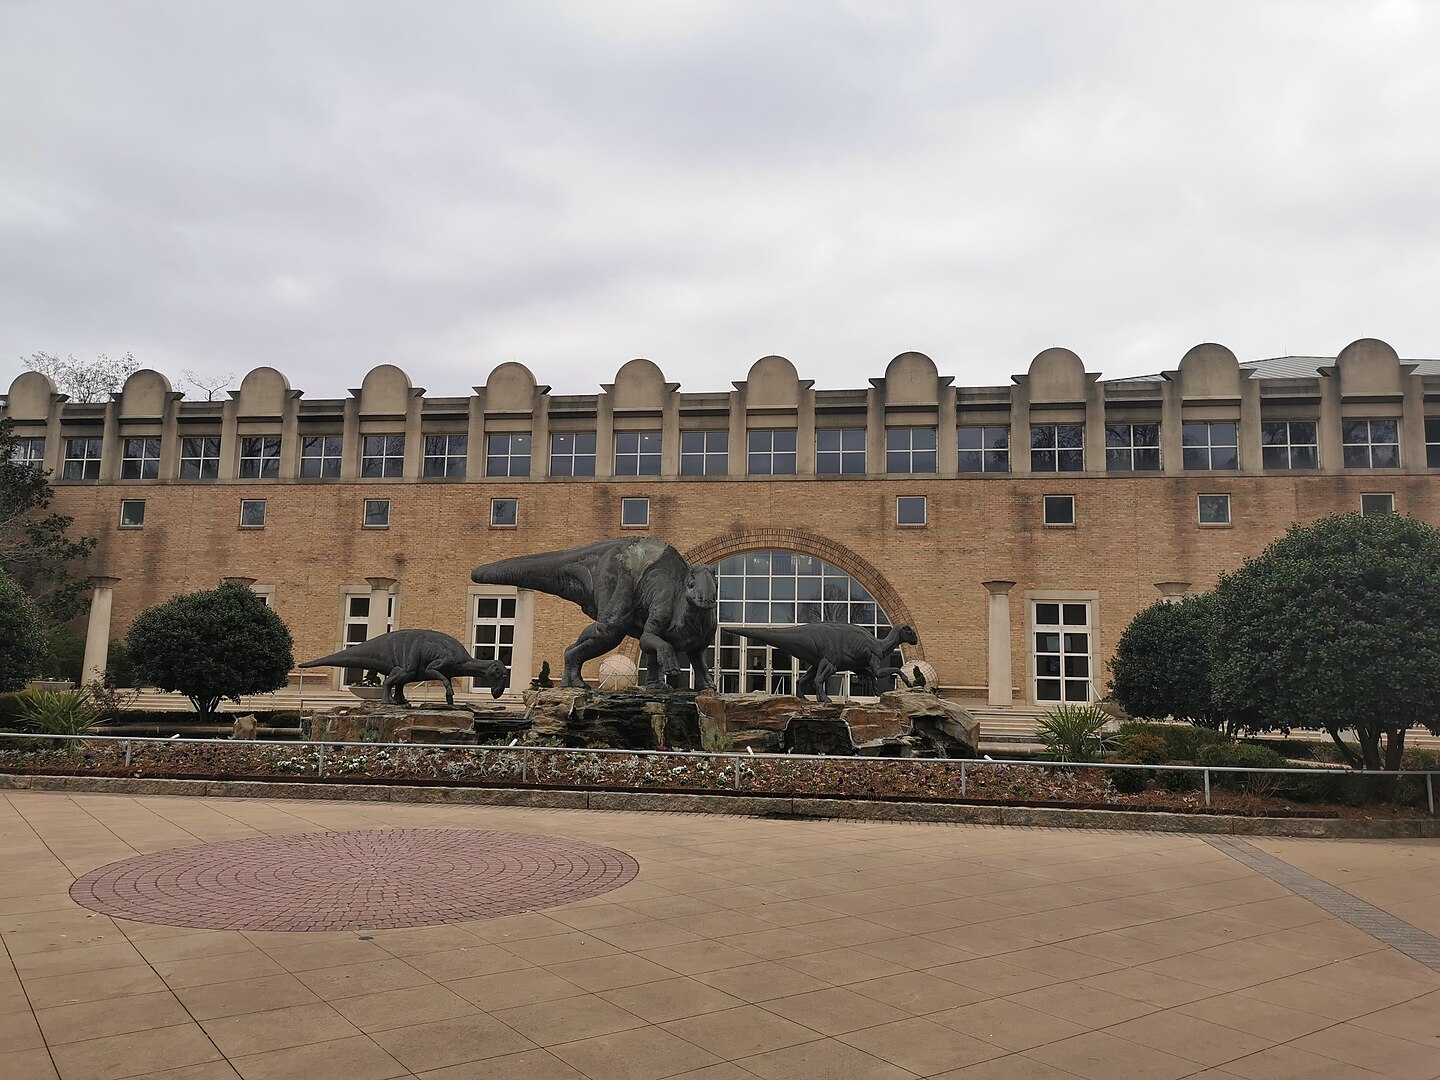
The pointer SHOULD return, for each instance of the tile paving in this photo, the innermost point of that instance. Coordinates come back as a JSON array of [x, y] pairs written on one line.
[[739, 948]]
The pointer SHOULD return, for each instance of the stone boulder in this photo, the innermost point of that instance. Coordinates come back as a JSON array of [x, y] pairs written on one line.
[[632, 720], [371, 721]]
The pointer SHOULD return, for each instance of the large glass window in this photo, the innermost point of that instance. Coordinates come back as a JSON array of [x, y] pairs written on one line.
[[140, 458], [782, 588], [840, 451], [320, 456], [637, 453], [1289, 444], [910, 450], [382, 455], [572, 453], [445, 456], [259, 457], [1209, 445], [771, 452], [1057, 448], [200, 457], [1062, 651], [704, 453], [507, 454], [1132, 447], [1432, 442], [82, 459], [28, 451], [983, 449], [1371, 444]]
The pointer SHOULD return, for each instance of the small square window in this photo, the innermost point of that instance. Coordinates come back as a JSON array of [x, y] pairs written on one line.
[[1377, 502], [252, 513], [1059, 509], [377, 513], [1214, 509], [910, 510], [132, 513], [635, 513], [504, 513]]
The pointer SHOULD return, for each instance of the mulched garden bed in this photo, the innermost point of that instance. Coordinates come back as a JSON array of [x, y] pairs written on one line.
[[925, 780]]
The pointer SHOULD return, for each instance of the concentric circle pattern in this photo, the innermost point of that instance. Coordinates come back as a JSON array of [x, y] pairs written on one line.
[[370, 879]]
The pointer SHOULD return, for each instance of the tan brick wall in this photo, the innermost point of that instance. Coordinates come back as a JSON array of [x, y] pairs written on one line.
[[1131, 532]]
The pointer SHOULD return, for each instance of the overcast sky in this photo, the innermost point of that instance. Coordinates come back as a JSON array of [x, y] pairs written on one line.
[[450, 185]]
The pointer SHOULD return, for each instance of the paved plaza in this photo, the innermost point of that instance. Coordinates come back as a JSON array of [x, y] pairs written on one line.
[[710, 948]]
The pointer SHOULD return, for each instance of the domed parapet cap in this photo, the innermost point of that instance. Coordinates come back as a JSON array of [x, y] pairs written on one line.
[[1057, 374], [640, 384]]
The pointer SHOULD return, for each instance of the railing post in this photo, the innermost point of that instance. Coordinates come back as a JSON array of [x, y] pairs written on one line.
[[962, 779], [127, 764], [1430, 791], [1207, 787], [524, 764], [320, 761], [737, 774]]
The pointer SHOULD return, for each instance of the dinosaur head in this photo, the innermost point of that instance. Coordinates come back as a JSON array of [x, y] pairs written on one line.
[[700, 587], [908, 635], [491, 673]]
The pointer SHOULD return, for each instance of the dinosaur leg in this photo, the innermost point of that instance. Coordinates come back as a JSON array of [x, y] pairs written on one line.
[[669, 663], [434, 672], [886, 672], [805, 682], [703, 681], [394, 686], [821, 672], [596, 640]]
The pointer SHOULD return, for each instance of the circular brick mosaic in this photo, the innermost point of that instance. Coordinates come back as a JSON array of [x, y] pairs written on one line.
[[369, 879]]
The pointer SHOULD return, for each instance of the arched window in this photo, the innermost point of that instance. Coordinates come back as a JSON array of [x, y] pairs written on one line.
[[782, 588]]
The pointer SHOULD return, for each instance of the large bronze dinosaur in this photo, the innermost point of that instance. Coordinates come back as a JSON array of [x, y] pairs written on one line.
[[636, 587], [406, 656], [829, 647]]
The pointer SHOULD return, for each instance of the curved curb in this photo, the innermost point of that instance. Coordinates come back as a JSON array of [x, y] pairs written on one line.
[[800, 807]]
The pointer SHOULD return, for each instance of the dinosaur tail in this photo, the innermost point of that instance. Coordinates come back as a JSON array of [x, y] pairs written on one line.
[[782, 637], [350, 657]]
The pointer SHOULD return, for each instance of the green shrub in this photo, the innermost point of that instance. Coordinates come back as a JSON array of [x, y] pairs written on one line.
[[1244, 756], [119, 668], [1073, 732], [1161, 665], [1141, 748], [64, 654], [1182, 742], [10, 716], [1178, 780], [1416, 759], [211, 645], [1128, 781], [22, 646]]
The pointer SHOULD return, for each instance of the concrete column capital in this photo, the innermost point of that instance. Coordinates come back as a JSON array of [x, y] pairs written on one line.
[[239, 580], [380, 584], [998, 587], [1172, 591], [104, 582]]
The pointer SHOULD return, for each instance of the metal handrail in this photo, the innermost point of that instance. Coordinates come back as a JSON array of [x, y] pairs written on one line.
[[964, 764]]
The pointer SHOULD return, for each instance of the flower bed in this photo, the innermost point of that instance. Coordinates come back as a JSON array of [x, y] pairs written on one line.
[[942, 780]]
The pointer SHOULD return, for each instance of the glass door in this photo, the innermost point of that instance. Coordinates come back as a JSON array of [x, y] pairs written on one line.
[[1062, 635]]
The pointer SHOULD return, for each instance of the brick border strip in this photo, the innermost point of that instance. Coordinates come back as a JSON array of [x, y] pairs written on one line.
[[749, 806], [1381, 925]]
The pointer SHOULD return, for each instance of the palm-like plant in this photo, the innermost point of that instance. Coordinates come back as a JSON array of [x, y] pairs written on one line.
[[1075, 732], [59, 712]]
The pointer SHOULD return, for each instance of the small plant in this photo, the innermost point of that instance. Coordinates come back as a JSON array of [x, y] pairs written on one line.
[[716, 741], [59, 712], [1075, 732]]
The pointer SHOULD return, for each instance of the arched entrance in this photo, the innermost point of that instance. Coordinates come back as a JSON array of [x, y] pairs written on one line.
[[780, 577]]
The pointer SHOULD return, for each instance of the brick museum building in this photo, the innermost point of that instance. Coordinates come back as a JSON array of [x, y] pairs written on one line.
[[1018, 528]]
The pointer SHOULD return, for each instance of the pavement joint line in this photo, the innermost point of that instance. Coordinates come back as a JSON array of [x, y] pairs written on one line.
[[1381, 925]]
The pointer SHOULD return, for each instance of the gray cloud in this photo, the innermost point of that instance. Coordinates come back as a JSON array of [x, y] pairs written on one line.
[[447, 186]]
